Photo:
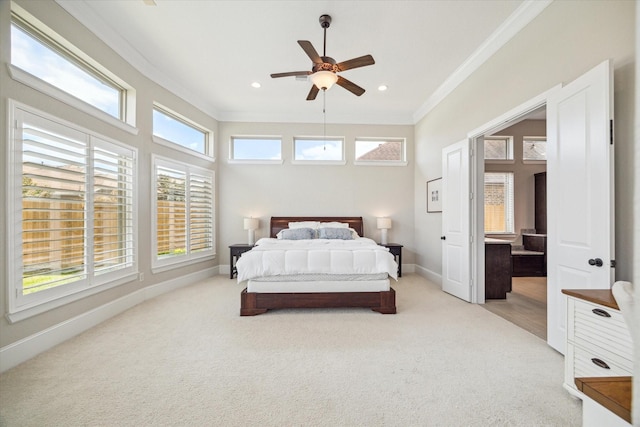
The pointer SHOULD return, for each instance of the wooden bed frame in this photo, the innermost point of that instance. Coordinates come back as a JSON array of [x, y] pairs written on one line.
[[252, 303]]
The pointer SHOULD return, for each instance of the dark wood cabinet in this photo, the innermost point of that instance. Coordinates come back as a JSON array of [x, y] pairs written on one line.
[[235, 252], [497, 268], [396, 251], [540, 198]]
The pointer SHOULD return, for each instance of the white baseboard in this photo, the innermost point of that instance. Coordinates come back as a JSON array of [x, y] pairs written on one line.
[[26, 348], [408, 268], [225, 269], [429, 275]]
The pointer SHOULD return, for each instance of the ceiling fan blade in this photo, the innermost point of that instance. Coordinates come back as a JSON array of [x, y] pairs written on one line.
[[362, 61], [350, 86], [313, 93], [310, 51], [292, 73]]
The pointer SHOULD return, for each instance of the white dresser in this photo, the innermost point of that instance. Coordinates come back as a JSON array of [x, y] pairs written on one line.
[[598, 345]]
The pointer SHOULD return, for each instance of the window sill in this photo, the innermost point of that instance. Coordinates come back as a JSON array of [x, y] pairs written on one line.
[[178, 147], [170, 264], [534, 162], [45, 88], [380, 163], [33, 310], [501, 235], [255, 162], [320, 162], [499, 162]]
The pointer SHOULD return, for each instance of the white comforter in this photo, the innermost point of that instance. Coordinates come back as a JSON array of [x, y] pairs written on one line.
[[272, 257]]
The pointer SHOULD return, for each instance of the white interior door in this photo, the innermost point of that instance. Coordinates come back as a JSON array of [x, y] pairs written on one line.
[[579, 193], [456, 218]]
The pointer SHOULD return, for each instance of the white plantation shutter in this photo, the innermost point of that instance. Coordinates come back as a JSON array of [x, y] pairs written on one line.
[[171, 210], [184, 212], [201, 212], [54, 226], [498, 202], [74, 227], [113, 231]]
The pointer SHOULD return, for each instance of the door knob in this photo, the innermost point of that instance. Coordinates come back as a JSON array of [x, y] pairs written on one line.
[[597, 262], [443, 237]]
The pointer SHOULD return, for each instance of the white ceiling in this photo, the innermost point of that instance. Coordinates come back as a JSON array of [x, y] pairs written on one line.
[[209, 52]]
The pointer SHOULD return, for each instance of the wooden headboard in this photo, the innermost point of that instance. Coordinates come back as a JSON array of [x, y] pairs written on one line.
[[281, 222]]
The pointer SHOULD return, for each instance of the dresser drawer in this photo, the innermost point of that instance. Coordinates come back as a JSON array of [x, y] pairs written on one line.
[[595, 362], [603, 327]]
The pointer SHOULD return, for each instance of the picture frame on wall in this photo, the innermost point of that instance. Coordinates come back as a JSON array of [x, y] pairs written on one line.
[[434, 195]]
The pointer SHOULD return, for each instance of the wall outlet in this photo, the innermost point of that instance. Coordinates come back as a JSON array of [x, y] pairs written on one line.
[[141, 277]]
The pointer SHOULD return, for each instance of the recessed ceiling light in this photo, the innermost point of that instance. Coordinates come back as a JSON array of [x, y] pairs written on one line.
[[256, 85], [382, 88]]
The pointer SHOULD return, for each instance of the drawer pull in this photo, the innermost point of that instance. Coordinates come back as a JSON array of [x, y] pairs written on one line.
[[600, 363], [600, 312]]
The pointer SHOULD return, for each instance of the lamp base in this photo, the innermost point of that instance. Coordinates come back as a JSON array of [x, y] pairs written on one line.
[[383, 237], [251, 240]]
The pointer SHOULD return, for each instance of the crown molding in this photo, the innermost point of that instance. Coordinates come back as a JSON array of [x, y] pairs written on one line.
[[519, 19]]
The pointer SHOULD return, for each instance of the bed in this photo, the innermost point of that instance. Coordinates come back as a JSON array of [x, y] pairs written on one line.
[[362, 279]]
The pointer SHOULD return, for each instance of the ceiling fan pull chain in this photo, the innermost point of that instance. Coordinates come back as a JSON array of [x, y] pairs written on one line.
[[324, 118]]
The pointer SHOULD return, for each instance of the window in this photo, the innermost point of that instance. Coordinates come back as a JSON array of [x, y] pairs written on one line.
[[75, 197], [184, 213], [380, 150], [318, 150], [43, 57], [498, 202], [498, 148], [268, 149], [534, 148], [179, 131]]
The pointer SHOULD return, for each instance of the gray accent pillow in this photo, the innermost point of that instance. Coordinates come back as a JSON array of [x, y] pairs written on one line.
[[296, 234], [335, 233]]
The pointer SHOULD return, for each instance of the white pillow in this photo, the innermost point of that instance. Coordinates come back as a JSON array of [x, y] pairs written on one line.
[[304, 224], [333, 225]]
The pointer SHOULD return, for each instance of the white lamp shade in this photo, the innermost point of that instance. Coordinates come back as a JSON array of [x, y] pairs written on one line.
[[324, 79], [384, 223], [251, 223]]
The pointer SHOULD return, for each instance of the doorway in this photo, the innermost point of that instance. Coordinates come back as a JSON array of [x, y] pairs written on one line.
[[514, 200]]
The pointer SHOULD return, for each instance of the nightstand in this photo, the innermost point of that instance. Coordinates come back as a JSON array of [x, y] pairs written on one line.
[[235, 251], [396, 251]]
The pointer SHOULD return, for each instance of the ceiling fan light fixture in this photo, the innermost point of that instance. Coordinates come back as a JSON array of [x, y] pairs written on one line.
[[324, 79]]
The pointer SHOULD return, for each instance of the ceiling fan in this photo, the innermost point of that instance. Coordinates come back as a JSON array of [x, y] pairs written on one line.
[[324, 71]]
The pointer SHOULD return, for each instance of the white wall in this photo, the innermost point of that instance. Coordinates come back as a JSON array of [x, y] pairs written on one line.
[[290, 189], [563, 42]]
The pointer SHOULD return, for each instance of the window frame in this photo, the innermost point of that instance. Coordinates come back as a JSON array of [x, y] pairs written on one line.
[[509, 213], [209, 147], [402, 162], [509, 149], [28, 305], [256, 161], [167, 263], [296, 161], [57, 44], [533, 161]]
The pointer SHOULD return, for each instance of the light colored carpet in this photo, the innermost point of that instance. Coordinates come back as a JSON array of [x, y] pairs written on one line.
[[188, 358]]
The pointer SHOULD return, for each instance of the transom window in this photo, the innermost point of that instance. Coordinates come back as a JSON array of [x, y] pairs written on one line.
[[498, 202], [498, 148], [534, 148], [321, 150], [177, 130], [75, 193], [380, 150], [50, 61], [256, 148]]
